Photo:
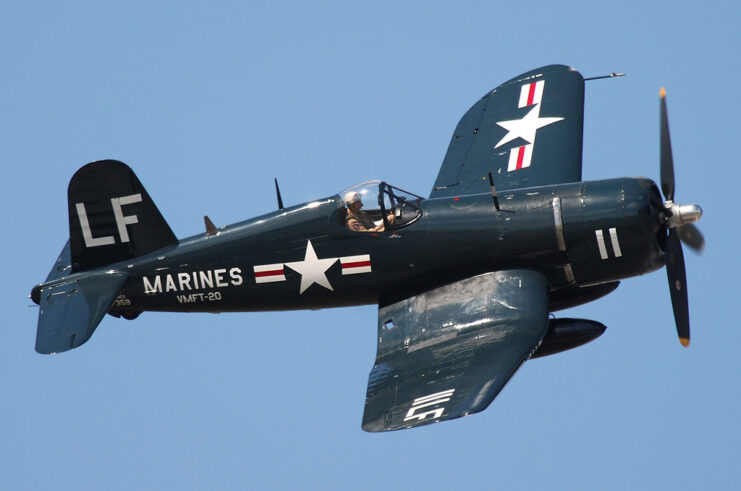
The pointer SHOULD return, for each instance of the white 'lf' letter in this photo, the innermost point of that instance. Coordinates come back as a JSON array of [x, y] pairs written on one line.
[[87, 234], [122, 220]]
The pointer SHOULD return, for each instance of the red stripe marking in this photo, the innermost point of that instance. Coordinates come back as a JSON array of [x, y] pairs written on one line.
[[531, 95], [358, 264], [275, 272], [520, 157]]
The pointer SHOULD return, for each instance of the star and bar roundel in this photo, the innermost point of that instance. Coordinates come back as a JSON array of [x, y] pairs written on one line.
[[312, 269], [531, 94]]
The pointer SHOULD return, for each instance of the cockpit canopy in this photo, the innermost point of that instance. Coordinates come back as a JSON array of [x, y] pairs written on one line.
[[380, 198]]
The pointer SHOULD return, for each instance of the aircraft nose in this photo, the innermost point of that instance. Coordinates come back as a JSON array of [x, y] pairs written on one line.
[[683, 214], [690, 213]]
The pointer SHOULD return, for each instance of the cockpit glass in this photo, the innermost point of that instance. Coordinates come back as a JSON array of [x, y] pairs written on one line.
[[368, 193], [385, 207]]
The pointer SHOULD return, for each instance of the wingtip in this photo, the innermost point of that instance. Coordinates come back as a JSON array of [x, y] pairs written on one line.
[[685, 341], [662, 92]]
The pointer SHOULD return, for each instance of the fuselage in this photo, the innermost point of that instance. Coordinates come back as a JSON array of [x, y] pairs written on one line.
[[304, 257]]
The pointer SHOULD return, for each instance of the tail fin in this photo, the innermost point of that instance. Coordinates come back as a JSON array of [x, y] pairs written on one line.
[[111, 217]]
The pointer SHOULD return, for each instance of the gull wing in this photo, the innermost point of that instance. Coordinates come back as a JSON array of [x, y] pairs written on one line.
[[526, 132], [447, 353]]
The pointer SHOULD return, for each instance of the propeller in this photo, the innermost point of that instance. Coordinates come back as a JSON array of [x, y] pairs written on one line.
[[691, 236], [679, 219], [667, 161]]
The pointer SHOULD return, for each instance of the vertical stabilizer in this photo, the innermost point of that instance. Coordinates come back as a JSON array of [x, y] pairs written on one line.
[[111, 217]]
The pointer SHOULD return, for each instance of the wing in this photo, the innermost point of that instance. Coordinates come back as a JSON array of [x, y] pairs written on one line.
[[447, 353], [526, 132]]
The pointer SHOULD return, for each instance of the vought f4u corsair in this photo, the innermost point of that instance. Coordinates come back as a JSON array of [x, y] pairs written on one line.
[[465, 279]]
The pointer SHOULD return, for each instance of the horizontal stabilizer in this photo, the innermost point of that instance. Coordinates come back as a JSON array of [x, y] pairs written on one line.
[[72, 308], [62, 267]]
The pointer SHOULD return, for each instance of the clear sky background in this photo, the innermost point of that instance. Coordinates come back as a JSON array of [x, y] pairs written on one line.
[[208, 103]]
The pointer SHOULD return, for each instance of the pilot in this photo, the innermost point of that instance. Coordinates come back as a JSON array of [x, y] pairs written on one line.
[[359, 221]]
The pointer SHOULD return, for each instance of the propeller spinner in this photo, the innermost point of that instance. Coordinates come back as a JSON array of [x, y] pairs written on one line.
[[679, 223]]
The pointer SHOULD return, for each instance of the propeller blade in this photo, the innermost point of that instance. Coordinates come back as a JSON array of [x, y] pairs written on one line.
[[692, 237], [677, 276], [667, 162]]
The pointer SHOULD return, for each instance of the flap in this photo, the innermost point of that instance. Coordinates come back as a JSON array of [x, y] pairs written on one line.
[[448, 352], [72, 308], [526, 132]]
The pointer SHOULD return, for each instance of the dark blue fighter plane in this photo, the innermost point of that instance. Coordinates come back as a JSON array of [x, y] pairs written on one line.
[[464, 279]]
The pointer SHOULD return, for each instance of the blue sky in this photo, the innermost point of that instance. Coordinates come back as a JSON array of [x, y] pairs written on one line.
[[208, 103]]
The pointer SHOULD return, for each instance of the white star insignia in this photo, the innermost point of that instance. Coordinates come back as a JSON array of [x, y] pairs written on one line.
[[312, 269], [526, 127]]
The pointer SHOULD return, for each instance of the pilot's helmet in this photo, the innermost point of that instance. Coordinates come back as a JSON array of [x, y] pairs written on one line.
[[352, 197]]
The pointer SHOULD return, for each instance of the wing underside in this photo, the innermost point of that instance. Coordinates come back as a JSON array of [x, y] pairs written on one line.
[[526, 132], [448, 352]]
